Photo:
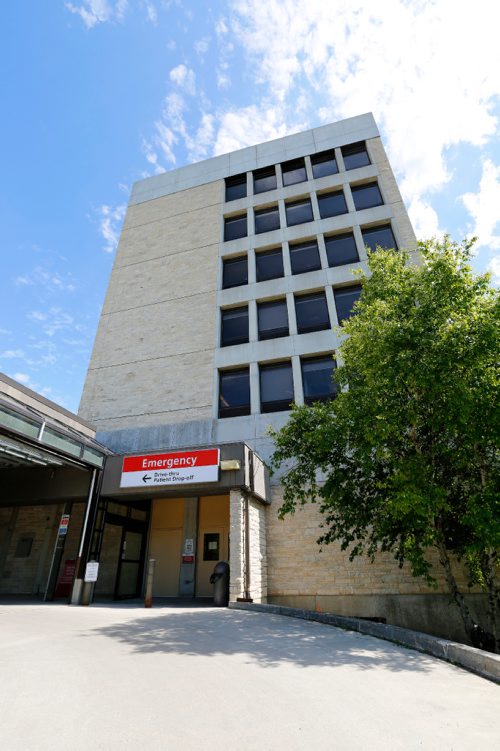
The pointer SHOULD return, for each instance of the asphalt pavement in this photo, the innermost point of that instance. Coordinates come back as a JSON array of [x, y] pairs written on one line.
[[182, 678]]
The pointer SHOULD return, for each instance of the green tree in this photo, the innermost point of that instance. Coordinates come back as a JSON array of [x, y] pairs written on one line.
[[405, 459]]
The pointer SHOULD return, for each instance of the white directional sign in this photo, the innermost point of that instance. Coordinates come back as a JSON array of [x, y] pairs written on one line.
[[176, 468]]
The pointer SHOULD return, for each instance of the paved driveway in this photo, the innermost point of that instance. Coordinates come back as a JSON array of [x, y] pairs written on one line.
[[176, 679]]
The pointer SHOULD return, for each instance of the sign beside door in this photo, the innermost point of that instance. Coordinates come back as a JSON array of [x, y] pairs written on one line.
[[175, 468]]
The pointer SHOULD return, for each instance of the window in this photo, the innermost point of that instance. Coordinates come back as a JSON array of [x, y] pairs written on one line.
[[304, 257], [267, 219], [236, 187], [234, 272], [341, 249], [355, 155], [345, 297], [269, 264], [293, 172], [276, 387], [298, 212], [235, 227], [234, 392], [272, 319], [379, 236], [312, 313], [324, 164], [234, 328], [317, 379], [332, 204], [264, 179], [366, 196]]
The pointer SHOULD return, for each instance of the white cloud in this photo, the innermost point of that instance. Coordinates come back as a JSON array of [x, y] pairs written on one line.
[[93, 12], [494, 269], [184, 78], [429, 70], [484, 205], [13, 354], [247, 126], [25, 379], [201, 46], [52, 281], [151, 12], [110, 219], [52, 320]]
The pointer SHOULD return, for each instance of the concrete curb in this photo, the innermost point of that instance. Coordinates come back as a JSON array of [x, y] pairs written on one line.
[[485, 664]]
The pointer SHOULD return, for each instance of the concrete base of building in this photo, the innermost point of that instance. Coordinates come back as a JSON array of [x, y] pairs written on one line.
[[432, 614]]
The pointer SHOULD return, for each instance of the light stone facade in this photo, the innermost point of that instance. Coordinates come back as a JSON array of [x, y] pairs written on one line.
[[153, 380]]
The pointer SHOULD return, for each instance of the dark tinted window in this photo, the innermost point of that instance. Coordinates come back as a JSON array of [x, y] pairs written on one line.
[[379, 236], [317, 379], [236, 187], [304, 257], [264, 179], [234, 329], [267, 219], [234, 392], [324, 164], [293, 172], [345, 297], [298, 212], [366, 196], [312, 313], [234, 272], [355, 155], [276, 387], [341, 249], [332, 204], [269, 264], [235, 227], [272, 319]]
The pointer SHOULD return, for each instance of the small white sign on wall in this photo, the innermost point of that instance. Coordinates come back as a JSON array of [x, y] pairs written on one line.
[[91, 571]]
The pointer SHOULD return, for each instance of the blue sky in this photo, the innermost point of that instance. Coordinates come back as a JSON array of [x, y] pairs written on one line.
[[99, 93]]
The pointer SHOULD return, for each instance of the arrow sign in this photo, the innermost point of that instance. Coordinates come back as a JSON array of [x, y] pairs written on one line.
[[172, 468]]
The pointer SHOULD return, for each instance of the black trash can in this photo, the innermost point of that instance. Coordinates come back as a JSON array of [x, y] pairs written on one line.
[[220, 580]]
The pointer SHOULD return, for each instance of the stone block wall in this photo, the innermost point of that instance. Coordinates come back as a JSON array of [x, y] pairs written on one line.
[[258, 541]]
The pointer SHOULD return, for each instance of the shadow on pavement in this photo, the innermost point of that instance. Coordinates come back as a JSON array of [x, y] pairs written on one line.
[[268, 640]]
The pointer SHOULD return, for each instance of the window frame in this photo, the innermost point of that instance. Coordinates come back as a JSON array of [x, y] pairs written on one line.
[[242, 338], [302, 326], [235, 181], [293, 165], [324, 397], [324, 157], [357, 190], [267, 253], [228, 220], [226, 263], [378, 228], [330, 194], [359, 147], [275, 333], [340, 236], [296, 248], [338, 292], [294, 204], [262, 212], [262, 174], [238, 410], [276, 405]]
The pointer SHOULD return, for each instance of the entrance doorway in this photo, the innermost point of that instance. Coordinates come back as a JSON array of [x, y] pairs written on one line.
[[123, 551], [213, 540]]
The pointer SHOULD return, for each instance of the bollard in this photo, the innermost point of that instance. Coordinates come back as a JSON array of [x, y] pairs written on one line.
[[148, 600]]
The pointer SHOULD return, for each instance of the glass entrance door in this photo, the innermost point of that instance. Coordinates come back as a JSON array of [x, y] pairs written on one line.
[[130, 567]]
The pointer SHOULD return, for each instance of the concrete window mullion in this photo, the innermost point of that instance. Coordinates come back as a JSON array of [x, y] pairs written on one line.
[[254, 389], [297, 380]]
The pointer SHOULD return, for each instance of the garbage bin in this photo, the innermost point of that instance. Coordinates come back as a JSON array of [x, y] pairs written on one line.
[[220, 580]]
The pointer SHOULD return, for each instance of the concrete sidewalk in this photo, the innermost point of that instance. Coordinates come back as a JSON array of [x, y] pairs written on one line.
[[122, 677]]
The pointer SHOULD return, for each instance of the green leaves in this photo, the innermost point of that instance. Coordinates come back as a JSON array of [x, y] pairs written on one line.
[[409, 450]]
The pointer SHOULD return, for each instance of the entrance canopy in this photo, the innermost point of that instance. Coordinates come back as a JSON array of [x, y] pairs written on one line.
[[46, 452]]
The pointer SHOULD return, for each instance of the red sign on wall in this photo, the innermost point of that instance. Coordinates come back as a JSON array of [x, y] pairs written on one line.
[[174, 468]]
